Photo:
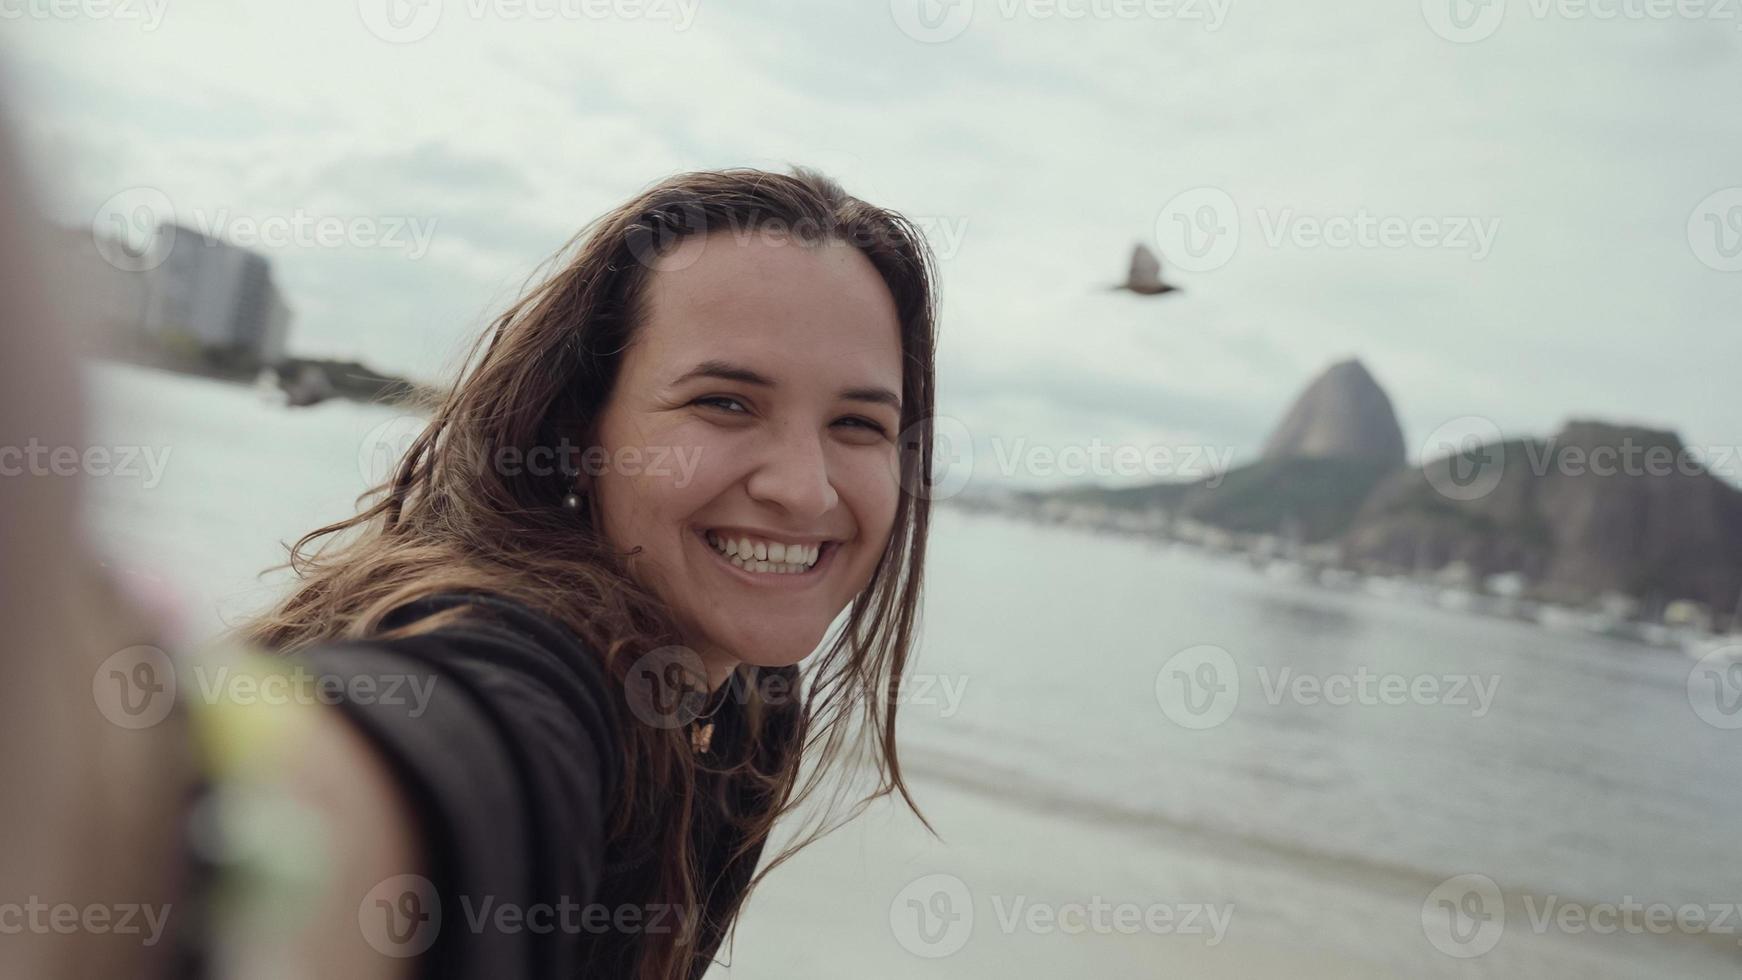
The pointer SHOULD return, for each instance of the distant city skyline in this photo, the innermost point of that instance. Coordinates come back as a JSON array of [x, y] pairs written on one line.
[[1527, 220]]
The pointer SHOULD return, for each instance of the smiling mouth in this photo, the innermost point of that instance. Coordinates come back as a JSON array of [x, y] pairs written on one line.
[[764, 556]]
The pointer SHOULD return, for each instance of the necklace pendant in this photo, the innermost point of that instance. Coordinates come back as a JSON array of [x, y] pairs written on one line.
[[702, 736]]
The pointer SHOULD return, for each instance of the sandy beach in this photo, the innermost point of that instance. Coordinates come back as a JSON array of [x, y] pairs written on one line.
[[828, 912]]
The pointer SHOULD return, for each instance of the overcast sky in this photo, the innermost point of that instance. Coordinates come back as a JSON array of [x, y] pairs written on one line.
[[1538, 182]]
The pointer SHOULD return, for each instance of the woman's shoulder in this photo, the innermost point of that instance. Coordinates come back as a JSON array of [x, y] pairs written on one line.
[[485, 630], [471, 608], [511, 657]]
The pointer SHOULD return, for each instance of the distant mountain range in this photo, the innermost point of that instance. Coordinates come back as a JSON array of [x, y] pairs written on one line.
[[1650, 523]]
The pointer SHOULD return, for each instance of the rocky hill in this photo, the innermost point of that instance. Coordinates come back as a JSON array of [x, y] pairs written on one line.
[[1596, 508], [1343, 414], [1571, 513]]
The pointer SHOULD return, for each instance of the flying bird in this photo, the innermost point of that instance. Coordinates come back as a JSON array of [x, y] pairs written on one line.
[[1145, 275]]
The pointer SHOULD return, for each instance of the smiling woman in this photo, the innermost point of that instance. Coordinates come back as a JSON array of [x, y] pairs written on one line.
[[613, 645], [778, 366]]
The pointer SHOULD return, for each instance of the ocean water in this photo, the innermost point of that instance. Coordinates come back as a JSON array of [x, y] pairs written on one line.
[[1141, 686]]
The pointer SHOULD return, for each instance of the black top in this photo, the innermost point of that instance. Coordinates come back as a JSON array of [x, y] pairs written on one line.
[[505, 734]]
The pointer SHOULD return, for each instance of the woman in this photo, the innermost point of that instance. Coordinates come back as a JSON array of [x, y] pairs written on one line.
[[671, 468], [664, 475]]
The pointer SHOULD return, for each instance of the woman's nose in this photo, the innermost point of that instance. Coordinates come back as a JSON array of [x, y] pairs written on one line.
[[794, 476]]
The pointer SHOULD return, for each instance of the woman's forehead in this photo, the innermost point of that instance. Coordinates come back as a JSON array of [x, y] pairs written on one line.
[[817, 307]]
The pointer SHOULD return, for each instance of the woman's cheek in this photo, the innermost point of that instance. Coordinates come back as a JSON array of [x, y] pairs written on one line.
[[874, 483]]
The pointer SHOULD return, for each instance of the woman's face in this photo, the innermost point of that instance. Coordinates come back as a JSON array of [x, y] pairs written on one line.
[[748, 448]]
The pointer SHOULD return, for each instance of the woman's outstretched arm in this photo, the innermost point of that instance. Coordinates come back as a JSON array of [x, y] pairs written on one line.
[[91, 814]]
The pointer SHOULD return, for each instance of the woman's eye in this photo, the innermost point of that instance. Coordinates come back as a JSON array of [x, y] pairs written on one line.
[[859, 422], [722, 402]]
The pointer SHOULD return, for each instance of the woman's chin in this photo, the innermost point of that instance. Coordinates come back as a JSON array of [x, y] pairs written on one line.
[[769, 651]]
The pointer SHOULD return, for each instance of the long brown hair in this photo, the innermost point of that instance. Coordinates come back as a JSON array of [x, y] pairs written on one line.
[[545, 368]]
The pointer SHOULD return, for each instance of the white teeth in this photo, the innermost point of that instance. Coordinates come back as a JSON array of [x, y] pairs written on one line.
[[771, 557]]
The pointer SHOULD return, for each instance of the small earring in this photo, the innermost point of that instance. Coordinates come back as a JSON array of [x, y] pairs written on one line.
[[573, 500]]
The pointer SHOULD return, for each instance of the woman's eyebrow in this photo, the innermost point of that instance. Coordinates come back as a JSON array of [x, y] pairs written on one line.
[[878, 396], [727, 371]]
